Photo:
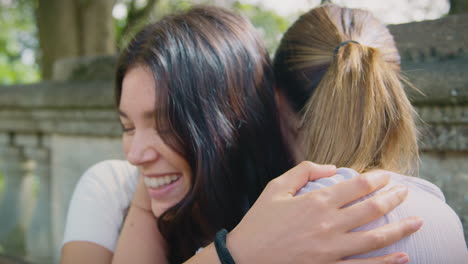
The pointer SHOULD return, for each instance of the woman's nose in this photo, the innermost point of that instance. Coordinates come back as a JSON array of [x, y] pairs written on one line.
[[142, 150]]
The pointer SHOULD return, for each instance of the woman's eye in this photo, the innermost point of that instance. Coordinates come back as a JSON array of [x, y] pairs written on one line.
[[127, 129]]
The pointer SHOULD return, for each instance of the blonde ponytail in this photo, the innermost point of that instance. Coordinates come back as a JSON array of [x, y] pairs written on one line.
[[357, 114]]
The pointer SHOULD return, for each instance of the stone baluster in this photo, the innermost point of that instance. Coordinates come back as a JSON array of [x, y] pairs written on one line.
[[36, 198], [11, 232]]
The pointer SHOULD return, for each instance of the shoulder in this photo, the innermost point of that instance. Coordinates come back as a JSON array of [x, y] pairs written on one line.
[[415, 185], [420, 192], [105, 170], [107, 176], [442, 233], [104, 191], [419, 184], [342, 174]]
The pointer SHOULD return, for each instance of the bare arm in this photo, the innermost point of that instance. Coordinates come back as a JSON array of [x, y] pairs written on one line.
[[78, 252], [298, 234], [96, 211], [140, 226], [140, 240]]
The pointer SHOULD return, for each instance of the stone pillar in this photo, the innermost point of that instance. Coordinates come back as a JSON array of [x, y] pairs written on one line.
[[11, 232], [38, 233]]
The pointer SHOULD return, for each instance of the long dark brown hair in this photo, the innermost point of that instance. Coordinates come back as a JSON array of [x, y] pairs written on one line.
[[340, 70], [215, 105]]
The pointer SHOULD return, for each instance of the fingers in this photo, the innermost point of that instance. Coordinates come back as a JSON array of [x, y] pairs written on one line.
[[294, 179], [370, 209], [347, 191], [395, 258], [366, 241]]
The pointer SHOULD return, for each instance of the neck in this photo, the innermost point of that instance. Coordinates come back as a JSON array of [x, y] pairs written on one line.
[[291, 130]]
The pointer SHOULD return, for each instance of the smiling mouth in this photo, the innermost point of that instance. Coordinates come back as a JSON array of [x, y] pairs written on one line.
[[157, 182]]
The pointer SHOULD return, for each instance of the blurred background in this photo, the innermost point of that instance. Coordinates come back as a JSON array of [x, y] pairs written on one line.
[[36, 33], [57, 118]]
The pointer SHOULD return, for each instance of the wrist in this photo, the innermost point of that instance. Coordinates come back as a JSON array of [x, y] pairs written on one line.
[[141, 197], [235, 247], [141, 207], [221, 249]]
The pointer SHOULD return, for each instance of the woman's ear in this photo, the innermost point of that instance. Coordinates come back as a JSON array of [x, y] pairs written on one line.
[[285, 110], [290, 124], [280, 99]]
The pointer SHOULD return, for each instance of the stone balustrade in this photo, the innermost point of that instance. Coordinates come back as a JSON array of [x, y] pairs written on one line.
[[50, 132]]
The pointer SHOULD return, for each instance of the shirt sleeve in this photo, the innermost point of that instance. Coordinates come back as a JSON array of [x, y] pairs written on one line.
[[441, 238], [99, 203]]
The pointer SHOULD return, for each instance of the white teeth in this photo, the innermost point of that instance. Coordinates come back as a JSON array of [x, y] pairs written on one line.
[[155, 182]]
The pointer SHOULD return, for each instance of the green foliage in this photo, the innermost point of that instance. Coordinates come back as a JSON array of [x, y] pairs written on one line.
[[19, 45], [136, 22], [14, 242], [269, 23], [18, 42], [177, 5]]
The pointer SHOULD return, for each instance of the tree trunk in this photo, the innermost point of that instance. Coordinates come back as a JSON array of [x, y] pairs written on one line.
[[458, 6], [57, 28], [96, 24], [73, 28]]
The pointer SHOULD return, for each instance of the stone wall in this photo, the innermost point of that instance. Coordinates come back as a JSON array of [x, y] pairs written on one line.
[[51, 132], [435, 60]]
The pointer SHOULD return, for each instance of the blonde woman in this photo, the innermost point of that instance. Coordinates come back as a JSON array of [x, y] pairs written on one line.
[[339, 82]]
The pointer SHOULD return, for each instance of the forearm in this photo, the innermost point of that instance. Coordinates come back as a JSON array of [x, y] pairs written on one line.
[[77, 252], [207, 255], [140, 240]]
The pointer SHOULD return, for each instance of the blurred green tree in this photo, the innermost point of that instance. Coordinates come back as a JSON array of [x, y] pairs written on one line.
[[18, 42], [37, 33], [458, 6], [269, 23], [73, 28], [140, 12]]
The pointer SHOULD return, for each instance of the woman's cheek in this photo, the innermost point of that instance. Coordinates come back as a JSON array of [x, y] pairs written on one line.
[[126, 143]]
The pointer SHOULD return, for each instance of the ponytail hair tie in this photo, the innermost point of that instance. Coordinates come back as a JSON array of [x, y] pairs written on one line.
[[335, 51]]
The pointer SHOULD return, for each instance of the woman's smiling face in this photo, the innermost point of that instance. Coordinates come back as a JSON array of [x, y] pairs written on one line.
[[167, 175]]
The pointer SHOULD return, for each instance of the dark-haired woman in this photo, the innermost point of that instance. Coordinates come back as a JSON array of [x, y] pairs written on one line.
[[197, 105], [338, 75]]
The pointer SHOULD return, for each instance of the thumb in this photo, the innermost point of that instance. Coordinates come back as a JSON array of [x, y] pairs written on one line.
[[294, 179]]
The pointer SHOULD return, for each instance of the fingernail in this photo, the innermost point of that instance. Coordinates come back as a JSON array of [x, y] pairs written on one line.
[[400, 189], [328, 167], [402, 259], [378, 173], [417, 223]]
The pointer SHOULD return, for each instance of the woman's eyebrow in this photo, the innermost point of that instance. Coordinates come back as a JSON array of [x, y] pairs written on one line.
[[146, 115]]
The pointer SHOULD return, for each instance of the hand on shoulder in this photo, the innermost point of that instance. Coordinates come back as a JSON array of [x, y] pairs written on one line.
[[314, 227]]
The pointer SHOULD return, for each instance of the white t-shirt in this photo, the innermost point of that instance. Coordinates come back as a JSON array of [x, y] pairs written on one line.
[[104, 192], [100, 202]]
